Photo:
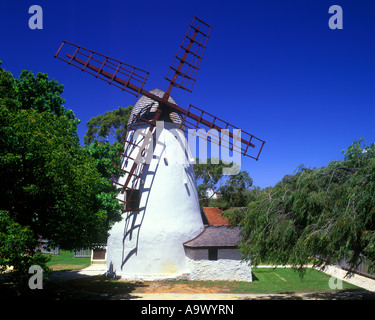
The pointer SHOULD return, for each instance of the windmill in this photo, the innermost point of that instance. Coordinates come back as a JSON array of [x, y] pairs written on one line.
[[159, 191]]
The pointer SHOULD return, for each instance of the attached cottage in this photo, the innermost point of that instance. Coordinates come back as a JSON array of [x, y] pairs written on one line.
[[213, 254], [218, 240]]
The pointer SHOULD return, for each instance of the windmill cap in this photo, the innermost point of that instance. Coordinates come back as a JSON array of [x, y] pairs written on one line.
[[146, 108]]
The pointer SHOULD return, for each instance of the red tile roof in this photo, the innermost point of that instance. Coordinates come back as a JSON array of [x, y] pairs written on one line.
[[214, 217]]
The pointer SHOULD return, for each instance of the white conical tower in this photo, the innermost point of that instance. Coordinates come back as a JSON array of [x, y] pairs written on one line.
[[148, 243]]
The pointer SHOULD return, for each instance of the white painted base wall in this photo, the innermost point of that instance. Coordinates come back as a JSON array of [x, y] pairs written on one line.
[[222, 269], [203, 270]]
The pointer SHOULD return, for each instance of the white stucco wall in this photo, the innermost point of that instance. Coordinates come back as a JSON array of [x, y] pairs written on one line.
[[222, 269]]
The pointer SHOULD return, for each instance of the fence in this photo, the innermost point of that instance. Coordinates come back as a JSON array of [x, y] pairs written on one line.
[[82, 253], [362, 268]]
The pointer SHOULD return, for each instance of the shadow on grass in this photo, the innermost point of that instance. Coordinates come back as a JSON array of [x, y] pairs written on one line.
[[105, 287], [69, 285], [350, 294]]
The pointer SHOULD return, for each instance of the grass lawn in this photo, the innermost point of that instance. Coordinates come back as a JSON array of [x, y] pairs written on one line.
[[66, 261], [271, 281], [286, 280], [265, 281]]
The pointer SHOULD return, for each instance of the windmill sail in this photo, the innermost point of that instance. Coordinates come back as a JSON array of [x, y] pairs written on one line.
[[120, 74], [200, 123], [184, 68]]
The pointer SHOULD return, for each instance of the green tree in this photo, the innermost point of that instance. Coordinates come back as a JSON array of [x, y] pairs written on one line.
[[327, 212], [42, 94], [107, 161], [50, 185], [8, 92], [107, 157], [208, 176], [17, 246], [235, 191], [111, 123], [105, 152]]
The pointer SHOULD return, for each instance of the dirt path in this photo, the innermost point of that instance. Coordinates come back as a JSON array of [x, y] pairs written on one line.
[[183, 287]]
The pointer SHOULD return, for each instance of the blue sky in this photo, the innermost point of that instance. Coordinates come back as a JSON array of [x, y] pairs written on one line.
[[272, 68]]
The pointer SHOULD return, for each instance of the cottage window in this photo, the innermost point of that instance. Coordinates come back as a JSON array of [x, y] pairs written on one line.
[[212, 254]]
